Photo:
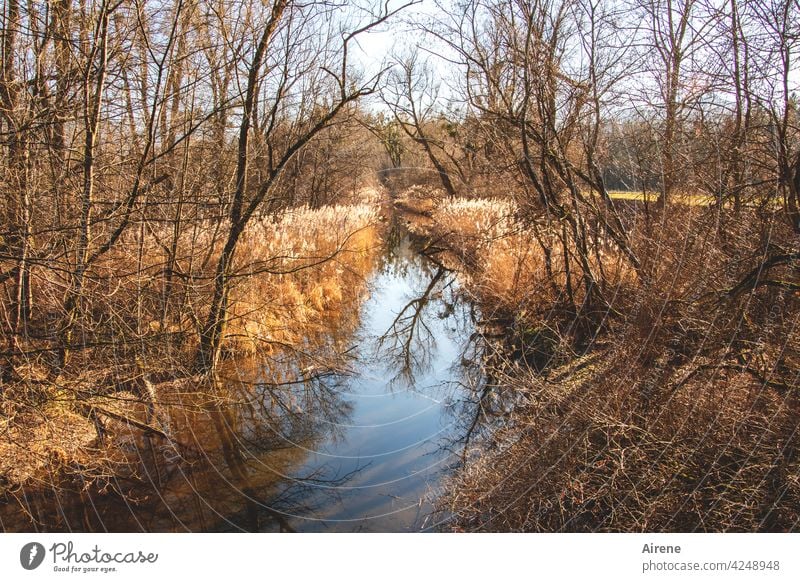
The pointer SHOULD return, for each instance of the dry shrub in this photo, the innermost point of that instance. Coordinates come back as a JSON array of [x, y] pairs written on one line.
[[36, 445], [681, 414], [605, 448], [420, 199], [502, 257]]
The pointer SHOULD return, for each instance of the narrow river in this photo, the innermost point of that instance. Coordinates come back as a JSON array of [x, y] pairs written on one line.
[[366, 448], [378, 467]]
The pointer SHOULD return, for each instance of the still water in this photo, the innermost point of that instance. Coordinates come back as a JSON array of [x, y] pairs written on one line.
[[365, 447], [386, 457]]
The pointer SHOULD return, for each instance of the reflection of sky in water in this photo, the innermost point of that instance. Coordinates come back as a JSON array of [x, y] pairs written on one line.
[[391, 442], [345, 453]]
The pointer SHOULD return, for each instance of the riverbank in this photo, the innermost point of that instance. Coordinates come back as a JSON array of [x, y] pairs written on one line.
[[128, 419], [679, 412], [342, 402]]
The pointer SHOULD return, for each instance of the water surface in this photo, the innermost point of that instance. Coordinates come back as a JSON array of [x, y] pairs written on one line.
[[306, 439], [388, 454]]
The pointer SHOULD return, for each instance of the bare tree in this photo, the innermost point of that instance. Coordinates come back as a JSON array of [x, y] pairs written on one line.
[[412, 98], [777, 30], [312, 117]]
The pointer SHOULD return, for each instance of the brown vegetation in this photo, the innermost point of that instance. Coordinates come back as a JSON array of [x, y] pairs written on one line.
[[190, 184], [302, 284], [646, 348], [680, 412]]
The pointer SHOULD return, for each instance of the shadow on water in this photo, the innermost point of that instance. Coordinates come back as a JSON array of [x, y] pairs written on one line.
[[311, 441]]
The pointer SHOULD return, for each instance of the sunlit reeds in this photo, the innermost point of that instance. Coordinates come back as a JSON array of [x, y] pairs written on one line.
[[298, 281], [505, 257], [303, 271]]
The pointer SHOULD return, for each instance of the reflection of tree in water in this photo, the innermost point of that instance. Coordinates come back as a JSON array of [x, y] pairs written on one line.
[[409, 342], [261, 441], [230, 445], [474, 400], [477, 400]]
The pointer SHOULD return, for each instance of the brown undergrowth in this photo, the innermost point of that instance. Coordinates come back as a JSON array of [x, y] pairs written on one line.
[[299, 280], [679, 413]]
